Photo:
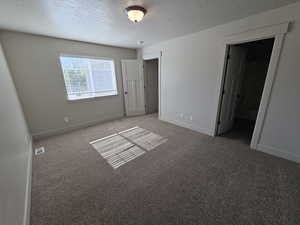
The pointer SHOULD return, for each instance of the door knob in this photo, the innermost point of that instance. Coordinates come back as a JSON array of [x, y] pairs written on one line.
[[125, 92]]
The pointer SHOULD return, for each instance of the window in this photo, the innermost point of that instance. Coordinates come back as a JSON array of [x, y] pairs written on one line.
[[88, 78]]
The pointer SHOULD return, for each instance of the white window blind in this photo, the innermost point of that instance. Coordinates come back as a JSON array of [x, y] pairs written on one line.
[[88, 78]]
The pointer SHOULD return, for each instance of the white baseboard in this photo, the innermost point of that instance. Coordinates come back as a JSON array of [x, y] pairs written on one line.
[[26, 219], [277, 152], [260, 147], [62, 130], [190, 126]]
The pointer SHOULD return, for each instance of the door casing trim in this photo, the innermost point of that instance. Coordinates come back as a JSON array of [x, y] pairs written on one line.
[[277, 32]]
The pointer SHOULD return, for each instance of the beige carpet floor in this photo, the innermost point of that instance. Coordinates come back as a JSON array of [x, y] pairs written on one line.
[[190, 179]]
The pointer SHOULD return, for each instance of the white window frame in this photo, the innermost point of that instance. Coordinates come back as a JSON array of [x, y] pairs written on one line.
[[106, 94]]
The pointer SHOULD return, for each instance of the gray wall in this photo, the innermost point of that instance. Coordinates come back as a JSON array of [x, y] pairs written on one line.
[[15, 153], [190, 75], [34, 63]]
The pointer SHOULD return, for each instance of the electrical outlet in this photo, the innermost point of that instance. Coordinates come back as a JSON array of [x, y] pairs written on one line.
[[191, 118], [66, 119], [39, 150]]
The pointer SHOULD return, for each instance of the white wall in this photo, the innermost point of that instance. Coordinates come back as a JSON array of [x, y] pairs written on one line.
[[190, 74], [15, 153], [34, 63]]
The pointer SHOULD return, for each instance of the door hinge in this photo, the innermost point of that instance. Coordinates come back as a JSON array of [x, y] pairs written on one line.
[[223, 92], [219, 122]]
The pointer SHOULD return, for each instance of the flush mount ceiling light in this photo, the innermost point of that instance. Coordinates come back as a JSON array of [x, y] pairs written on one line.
[[135, 13]]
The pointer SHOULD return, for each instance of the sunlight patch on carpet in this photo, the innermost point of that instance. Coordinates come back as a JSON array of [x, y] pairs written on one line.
[[120, 148], [143, 138]]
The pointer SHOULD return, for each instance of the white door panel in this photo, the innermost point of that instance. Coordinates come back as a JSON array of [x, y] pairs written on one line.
[[133, 84], [233, 76]]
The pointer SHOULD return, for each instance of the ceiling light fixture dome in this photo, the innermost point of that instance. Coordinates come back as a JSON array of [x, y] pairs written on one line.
[[135, 13]]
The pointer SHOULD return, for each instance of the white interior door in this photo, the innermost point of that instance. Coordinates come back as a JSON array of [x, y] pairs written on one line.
[[133, 84], [233, 77]]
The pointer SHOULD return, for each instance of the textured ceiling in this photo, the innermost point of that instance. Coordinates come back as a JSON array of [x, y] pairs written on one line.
[[104, 21]]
